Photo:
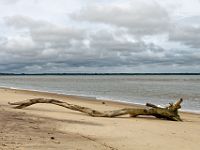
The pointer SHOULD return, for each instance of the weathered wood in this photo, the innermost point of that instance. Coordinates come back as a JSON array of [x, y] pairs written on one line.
[[170, 112], [151, 105]]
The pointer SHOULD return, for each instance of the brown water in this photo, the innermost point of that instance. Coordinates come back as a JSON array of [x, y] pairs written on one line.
[[158, 89]]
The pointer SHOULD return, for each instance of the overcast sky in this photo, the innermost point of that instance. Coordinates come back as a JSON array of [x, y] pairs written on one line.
[[39, 36]]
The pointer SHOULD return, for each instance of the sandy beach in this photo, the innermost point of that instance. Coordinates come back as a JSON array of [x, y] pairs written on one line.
[[46, 126]]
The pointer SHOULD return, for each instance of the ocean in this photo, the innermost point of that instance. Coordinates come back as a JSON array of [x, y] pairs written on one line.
[[157, 89]]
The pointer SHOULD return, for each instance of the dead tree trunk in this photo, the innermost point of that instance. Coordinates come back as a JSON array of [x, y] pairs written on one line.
[[170, 112]]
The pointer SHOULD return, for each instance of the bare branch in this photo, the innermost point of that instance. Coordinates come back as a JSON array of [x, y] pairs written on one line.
[[170, 112]]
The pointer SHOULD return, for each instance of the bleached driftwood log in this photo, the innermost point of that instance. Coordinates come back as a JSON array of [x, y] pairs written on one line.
[[170, 112]]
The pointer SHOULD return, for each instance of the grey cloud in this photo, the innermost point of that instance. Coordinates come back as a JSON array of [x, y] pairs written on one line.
[[20, 22], [141, 18], [187, 35], [56, 34], [52, 48], [187, 32], [45, 32]]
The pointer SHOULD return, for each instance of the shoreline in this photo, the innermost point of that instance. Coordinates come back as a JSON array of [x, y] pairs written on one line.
[[46, 126], [83, 98], [93, 98]]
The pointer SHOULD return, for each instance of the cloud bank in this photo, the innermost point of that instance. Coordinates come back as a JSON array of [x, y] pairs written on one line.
[[114, 36]]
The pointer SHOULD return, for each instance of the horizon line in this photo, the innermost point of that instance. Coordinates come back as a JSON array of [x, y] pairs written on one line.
[[124, 73]]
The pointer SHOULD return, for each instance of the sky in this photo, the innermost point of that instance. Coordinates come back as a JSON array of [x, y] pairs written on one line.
[[40, 36]]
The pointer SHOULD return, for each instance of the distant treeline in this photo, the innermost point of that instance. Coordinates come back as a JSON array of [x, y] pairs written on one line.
[[63, 74]]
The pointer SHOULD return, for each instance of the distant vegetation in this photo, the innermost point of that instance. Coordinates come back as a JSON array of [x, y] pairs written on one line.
[[25, 74]]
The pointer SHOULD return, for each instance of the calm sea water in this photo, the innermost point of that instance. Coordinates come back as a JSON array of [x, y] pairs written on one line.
[[158, 89]]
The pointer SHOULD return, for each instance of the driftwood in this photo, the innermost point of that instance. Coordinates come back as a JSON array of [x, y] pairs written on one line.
[[170, 112]]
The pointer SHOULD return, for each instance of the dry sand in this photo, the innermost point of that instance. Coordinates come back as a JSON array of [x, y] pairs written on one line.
[[45, 126]]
